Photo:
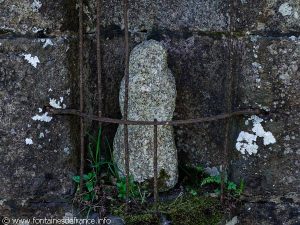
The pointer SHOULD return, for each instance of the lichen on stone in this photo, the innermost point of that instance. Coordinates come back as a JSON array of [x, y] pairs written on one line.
[[246, 142], [44, 117], [33, 60], [285, 9]]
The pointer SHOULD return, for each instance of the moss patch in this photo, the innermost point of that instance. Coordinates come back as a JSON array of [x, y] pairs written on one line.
[[196, 210]]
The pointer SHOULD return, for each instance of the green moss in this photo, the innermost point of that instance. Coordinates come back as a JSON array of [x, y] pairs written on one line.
[[161, 181], [145, 219], [196, 210]]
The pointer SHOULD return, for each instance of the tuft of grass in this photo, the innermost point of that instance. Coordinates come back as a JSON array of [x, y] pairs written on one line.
[[93, 179], [104, 172]]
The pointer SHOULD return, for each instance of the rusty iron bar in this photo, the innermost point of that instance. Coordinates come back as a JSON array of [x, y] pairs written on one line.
[[99, 77], [80, 31], [155, 169], [126, 79], [229, 100], [75, 112], [99, 68]]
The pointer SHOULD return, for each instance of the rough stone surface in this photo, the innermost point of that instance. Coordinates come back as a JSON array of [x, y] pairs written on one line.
[[147, 15], [270, 16], [36, 156], [35, 17], [269, 80], [280, 209], [152, 94]]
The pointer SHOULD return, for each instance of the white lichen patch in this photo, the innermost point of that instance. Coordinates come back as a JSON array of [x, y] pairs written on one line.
[[28, 141], [33, 60], [246, 141], [44, 118], [254, 38], [68, 91], [266, 108], [47, 42], [269, 138], [233, 221], [42, 135], [57, 104], [36, 30], [36, 5], [293, 38], [285, 9]]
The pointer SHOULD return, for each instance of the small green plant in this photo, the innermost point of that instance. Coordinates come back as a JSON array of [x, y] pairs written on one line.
[[195, 178], [121, 186], [100, 171], [229, 185], [192, 191], [103, 171], [136, 191], [90, 182]]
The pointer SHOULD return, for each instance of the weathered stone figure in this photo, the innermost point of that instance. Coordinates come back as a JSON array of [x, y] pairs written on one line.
[[152, 94]]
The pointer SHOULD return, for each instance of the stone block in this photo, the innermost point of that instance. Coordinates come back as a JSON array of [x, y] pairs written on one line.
[[37, 149]]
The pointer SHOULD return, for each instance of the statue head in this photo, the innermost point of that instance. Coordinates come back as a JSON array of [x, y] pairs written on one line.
[[149, 56]]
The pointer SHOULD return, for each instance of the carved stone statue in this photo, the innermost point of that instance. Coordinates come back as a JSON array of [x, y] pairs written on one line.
[[152, 94]]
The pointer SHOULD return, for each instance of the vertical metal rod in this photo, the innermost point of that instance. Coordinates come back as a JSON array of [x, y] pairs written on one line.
[[81, 93], [99, 77], [155, 169], [99, 68], [126, 99], [229, 100]]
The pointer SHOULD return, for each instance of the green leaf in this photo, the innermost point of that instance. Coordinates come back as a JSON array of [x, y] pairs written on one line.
[[76, 179], [231, 186], [200, 169], [193, 192], [86, 197], [98, 147], [241, 188], [88, 176], [122, 196], [90, 186], [217, 191]]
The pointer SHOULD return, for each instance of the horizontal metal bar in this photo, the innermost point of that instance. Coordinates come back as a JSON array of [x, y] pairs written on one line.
[[135, 122]]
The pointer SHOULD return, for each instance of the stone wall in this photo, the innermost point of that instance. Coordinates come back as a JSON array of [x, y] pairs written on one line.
[[195, 32], [38, 158]]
